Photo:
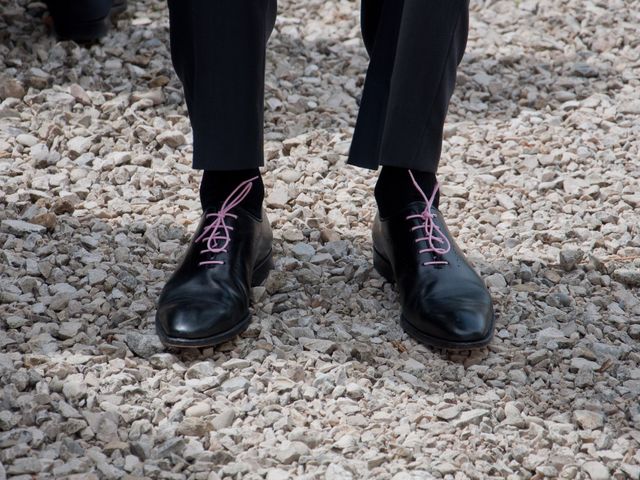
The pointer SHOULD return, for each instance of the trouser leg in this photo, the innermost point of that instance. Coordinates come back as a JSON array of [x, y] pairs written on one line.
[[218, 51], [415, 47]]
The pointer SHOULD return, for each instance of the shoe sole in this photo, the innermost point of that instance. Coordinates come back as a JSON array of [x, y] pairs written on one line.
[[383, 267], [259, 276], [89, 31]]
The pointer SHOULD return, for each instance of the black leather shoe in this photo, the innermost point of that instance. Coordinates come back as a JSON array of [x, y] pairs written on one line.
[[444, 301], [206, 301], [83, 21]]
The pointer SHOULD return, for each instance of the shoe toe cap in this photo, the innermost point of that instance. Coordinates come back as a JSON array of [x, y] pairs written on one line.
[[453, 323], [468, 326], [191, 321]]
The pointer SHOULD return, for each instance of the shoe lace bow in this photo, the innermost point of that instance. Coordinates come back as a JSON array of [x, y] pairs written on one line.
[[217, 235], [437, 241]]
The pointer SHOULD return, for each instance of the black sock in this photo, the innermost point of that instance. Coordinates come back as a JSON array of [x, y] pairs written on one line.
[[216, 186], [395, 189]]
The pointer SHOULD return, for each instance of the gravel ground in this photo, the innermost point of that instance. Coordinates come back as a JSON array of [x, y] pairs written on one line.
[[540, 172]]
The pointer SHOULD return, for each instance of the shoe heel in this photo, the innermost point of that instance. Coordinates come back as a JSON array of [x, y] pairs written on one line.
[[382, 266], [262, 270]]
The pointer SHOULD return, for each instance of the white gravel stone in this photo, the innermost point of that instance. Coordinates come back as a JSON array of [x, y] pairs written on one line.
[[470, 417], [632, 470], [234, 384], [24, 466], [569, 258], [69, 329], [551, 335], [171, 138], [337, 472], [20, 227], [79, 145], [496, 281], [143, 345], [589, 420], [199, 409], [74, 387], [236, 364], [505, 201], [627, 276], [578, 364], [224, 419], [449, 413], [96, 276], [277, 198], [26, 139], [455, 191], [354, 391], [318, 345], [291, 452], [303, 251], [596, 471], [40, 154], [278, 474], [199, 370]]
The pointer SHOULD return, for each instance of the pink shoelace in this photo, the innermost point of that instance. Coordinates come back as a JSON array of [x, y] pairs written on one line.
[[433, 233], [218, 231]]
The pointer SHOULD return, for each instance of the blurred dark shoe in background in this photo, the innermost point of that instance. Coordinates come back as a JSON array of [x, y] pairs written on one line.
[[83, 21]]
